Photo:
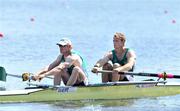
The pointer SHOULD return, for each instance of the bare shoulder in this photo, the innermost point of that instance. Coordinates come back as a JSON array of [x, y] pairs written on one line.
[[131, 53], [58, 59], [108, 54], [75, 57]]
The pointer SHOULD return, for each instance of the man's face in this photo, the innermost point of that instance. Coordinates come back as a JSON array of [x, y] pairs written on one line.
[[118, 42], [64, 48]]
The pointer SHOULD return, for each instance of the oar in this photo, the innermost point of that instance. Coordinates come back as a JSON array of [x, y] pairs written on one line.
[[24, 76], [29, 76], [163, 75]]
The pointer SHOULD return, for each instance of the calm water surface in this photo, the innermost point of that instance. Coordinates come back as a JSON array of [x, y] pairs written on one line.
[[32, 28], [149, 104]]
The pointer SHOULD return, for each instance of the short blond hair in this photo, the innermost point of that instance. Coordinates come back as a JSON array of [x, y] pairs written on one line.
[[120, 35]]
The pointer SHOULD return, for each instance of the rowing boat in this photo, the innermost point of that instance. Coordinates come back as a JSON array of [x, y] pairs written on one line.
[[100, 91]]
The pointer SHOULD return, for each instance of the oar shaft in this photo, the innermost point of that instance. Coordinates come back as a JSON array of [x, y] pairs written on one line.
[[13, 75], [20, 76], [176, 76], [161, 75]]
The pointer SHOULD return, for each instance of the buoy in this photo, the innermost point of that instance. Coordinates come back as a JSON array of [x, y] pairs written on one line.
[[1, 35], [173, 21], [32, 19], [165, 11]]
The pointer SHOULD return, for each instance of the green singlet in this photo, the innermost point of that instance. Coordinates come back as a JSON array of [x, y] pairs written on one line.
[[123, 61]]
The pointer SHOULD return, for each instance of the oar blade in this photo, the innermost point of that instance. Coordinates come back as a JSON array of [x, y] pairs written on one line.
[[2, 74]]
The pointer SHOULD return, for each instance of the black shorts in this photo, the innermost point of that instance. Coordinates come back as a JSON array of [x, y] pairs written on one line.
[[125, 79], [80, 84], [110, 77], [70, 69]]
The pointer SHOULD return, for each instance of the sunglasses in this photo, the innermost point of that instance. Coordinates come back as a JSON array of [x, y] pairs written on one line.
[[62, 45], [117, 40]]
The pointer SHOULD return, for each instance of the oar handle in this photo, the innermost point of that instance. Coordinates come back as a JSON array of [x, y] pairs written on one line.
[[30, 76], [161, 75]]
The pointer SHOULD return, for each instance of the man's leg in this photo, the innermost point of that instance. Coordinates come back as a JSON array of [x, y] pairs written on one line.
[[65, 76], [62, 75], [57, 73], [107, 77], [57, 79], [116, 77], [77, 76]]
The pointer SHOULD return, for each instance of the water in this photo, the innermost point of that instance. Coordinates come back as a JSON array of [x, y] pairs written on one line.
[[32, 28], [154, 104]]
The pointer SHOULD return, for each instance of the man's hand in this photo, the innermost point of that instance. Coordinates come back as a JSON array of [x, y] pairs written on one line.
[[63, 65], [95, 69], [115, 71], [34, 77], [38, 77]]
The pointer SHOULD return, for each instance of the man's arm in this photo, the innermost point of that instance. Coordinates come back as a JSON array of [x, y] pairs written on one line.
[[51, 66], [71, 60], [42, 73], [101, 62]]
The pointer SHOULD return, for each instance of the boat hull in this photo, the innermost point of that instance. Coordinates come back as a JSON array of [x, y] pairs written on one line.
[[94, 93]]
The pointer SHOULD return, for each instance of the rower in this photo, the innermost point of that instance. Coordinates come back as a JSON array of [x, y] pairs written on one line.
[[118, 60], [68, 67]]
